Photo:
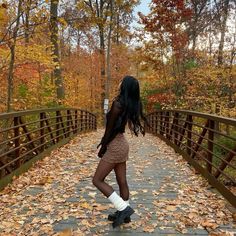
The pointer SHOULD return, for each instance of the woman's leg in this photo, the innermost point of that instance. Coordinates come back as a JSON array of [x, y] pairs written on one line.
[[103, 169], [120, 171]]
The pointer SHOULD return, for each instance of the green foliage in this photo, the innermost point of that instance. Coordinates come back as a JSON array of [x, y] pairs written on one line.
[[23, 90], [190, 64], [157, 106], [178, 89], [221, 152], [225, 142], [51, 104], [148, 90], [47, 89]]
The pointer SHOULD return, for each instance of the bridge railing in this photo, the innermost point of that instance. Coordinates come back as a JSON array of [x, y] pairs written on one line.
[[207, 142], [25, 136]]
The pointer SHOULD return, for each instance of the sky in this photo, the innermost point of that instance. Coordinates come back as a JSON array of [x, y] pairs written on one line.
[[142, 7]]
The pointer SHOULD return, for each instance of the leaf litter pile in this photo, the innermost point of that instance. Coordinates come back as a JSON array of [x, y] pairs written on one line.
[[56, 196]]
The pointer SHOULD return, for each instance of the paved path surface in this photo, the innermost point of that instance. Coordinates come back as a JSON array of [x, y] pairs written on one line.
[[56, 197]]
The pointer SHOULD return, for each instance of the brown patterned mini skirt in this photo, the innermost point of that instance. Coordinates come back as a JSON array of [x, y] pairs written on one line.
[[117, 150]]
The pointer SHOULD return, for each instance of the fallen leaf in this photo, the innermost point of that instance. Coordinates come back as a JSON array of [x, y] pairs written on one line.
[[171, 208], [66, 232], [92, 194], [149, 228], [132, 193]]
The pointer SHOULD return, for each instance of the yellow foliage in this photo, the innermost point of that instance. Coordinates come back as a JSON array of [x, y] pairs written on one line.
[[34, 53], [3, 19], [62, 21]]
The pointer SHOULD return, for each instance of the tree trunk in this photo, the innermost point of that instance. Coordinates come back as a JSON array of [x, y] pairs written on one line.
[[117, 29], [222, 32], [12, 59], [232, 77], [107, 92], [220, 49], [194, 46], [102, 68], [27, 17], [57, 75]]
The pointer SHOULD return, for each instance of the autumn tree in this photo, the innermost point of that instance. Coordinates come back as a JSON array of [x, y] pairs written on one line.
[[55, 50], [166, 25], [12, 46], [100, 27], [188, 47], [201, 18], [29, 50]]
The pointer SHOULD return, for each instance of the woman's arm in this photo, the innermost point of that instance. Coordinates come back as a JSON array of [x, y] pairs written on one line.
[[113, 116]]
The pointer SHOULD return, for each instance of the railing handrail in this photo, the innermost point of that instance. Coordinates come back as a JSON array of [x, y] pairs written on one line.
[[12, 114], [26, 136], [206, 141], [227, 120]]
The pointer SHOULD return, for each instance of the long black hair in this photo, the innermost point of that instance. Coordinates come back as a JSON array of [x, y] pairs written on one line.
[[129, 97]]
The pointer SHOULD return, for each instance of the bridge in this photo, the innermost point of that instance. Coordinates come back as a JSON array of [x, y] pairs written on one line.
[[181, 175]]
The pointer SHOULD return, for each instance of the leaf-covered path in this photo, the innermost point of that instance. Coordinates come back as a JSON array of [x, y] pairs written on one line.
[[56, 196]]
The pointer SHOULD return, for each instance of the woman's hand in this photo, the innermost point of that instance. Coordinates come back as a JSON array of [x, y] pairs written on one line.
[[102, 151]]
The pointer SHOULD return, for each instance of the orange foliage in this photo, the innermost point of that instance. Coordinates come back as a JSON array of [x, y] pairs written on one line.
[[27, 73], [82, 79], [163, 99]]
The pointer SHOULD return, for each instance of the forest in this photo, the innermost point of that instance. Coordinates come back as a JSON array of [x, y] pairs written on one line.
[[61, 61], [74, 53]]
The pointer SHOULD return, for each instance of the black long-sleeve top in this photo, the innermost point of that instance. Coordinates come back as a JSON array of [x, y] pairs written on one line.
[[115, 123]]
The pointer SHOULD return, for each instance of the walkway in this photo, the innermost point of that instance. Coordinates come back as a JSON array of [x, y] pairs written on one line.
[[56, 197]]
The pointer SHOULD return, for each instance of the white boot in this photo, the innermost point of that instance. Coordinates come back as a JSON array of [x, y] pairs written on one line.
[[117, 201], [127, 201]]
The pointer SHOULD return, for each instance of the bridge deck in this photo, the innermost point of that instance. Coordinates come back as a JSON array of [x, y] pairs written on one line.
[[56, 197]]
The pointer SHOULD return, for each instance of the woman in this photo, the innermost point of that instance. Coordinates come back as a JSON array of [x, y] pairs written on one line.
[[114, 150]]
